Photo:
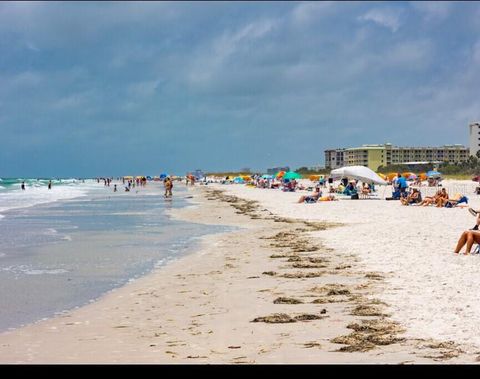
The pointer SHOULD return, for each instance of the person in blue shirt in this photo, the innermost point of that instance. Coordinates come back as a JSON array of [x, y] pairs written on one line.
[[402, 185], [350, 189]]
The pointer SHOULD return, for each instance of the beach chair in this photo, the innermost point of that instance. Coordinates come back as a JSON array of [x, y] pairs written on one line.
[[453, 203]]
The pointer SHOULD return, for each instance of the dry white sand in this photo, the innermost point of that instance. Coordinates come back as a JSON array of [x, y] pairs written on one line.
[[431, 291]]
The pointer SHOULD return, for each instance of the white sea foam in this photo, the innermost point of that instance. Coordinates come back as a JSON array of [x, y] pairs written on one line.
[[48, 272], [26, 270], [38, 193]]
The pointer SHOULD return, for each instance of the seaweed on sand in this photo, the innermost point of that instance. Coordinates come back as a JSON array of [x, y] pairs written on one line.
[[300, 275], [366, 310], [276, 318], [287, 300], [369, 334]]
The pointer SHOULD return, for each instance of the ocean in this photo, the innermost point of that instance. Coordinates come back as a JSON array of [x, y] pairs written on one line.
[[65, 247]]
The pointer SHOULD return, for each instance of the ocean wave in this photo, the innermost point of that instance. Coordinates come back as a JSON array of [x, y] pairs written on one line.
[[37, 192], [22, 269]]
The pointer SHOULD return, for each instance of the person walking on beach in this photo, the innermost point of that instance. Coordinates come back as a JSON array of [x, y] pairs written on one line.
[[114, 188], [50, 185], [168, 187]]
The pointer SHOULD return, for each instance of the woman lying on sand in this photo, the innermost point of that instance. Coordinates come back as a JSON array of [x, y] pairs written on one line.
[[469, 237], [313, 198], [429, 200]]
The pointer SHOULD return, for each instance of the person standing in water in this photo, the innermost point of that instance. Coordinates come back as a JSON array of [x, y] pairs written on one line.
[[168, 187], [50, 184], [23, 186]]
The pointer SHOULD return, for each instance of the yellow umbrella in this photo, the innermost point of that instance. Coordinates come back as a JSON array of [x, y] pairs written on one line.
[[383, 176], [391, 175]]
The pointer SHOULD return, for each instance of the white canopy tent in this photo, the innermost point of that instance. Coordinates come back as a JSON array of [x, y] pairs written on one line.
[[361, 173]]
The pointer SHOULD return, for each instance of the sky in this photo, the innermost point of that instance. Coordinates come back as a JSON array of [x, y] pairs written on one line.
[[128, 88]]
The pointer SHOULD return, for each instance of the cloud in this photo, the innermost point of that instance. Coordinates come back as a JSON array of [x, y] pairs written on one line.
[[306, 12], [435, 11], [210, 59], [476, 52], [386, 17], [230, 76]]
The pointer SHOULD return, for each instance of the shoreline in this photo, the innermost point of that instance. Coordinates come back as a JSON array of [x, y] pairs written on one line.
[[269, 292]]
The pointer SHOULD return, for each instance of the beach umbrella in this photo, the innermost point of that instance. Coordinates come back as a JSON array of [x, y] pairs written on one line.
[[383, 176], [423, 176], [362, 173], [391, 175], [314, 178], [406, 175], [434, 174], [163, 176], [280, 174], [267, 176], [292, 175], [238, 179]]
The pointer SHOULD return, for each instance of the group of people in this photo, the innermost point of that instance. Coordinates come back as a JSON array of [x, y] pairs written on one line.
[[440, 199], [316, 196], [22, 186]]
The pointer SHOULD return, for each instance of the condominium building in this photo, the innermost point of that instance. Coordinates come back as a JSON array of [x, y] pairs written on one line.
[[374, 156], [334, 158], [474, 138]]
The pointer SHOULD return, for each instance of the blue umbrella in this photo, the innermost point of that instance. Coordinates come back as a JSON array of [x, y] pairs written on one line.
[[434, 174], [162, 176]]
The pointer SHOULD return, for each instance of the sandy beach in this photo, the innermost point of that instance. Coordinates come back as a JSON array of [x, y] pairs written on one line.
[[366, 281]]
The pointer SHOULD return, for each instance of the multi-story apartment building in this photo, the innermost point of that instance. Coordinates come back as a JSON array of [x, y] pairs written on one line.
[[334, 158], [374, 156], [474, 138]]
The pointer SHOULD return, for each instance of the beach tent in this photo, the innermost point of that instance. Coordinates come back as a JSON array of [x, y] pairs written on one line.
[[434, 174], [362, 173], [292, 175], [238, 179]]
